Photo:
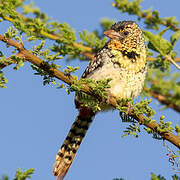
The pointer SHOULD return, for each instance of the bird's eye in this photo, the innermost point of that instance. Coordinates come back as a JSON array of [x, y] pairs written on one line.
[[125, 33], [120, 28]]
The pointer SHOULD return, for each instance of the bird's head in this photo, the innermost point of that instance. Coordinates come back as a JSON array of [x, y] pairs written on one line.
[[126, 37]]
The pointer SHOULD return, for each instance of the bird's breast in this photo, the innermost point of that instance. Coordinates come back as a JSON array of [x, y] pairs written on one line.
[[125, 83]]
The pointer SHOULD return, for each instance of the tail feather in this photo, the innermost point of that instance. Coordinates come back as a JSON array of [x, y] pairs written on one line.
[[67, 152]]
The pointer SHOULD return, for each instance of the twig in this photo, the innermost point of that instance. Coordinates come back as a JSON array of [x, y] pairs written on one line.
[[9, 61], [173, 62], [153, 59], [162, 99], [163, 22], [69, 80]]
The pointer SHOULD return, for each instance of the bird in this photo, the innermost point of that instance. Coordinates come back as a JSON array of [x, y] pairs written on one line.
[[123, 60]]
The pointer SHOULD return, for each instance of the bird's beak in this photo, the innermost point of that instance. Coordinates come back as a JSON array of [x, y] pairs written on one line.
[[112, 34]]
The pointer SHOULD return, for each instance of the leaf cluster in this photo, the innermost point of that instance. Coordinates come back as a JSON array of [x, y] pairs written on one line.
[[159, 177], [92, 40], [20, 175], [3, 80], [100, 92], [152, 17], [139, 109]]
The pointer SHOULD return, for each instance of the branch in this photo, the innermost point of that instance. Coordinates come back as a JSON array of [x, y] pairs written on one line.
[[85, 50], [163, 22], [153, 59], [151, 17], [154, 126], [162, 99], [69, 80]]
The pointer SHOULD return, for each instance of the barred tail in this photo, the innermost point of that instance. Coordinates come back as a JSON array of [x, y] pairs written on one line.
[[67, 152]]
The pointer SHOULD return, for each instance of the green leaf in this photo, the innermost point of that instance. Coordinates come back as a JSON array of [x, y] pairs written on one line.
[[3, 80], [163, 31], [175, 37], [23, 175], [159, 177], [175, 177], [157, 43]]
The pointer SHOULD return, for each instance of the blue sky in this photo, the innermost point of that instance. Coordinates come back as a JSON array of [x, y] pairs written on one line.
[[36, 119]]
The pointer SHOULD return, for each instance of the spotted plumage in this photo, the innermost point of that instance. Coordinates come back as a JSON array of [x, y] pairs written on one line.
[[122, 59]]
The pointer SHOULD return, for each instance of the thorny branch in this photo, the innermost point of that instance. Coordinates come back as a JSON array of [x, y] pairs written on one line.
[[23, 53], [86, 51]]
